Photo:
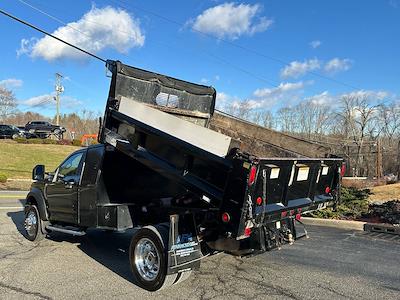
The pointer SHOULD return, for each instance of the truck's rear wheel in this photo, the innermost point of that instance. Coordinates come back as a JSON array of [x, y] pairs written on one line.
[[33, 224], [148, 259]]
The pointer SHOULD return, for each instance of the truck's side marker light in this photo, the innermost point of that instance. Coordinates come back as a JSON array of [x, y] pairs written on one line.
[[327, 190], [343, 169], [259, 201], [298, 217], [226, 217], [247, 231], [252, 175], [283, 214]]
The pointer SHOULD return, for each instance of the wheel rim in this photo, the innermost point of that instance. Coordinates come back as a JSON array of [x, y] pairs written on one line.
[[147, 259], [31, 223]]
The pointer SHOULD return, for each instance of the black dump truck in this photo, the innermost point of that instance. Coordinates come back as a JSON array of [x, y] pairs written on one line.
[[188, 191]]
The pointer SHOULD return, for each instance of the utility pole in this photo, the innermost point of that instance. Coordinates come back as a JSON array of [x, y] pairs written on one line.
[[59, 90], [379, 168], [398, 161]]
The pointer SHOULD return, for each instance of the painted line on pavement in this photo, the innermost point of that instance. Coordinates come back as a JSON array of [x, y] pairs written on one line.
[[12, 207]]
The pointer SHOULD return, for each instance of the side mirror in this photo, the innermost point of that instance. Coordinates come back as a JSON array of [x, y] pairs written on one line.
[[38, 173]]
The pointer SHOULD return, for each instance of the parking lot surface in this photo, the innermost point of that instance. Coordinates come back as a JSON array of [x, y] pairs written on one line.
[[332, 263]]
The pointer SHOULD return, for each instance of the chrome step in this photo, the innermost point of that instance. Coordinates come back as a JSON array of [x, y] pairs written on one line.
[[64, 230]]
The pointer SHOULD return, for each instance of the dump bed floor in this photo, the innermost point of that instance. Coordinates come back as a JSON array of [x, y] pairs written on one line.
[[204, 138]]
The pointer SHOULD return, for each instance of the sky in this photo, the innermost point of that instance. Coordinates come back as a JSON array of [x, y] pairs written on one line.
[[271, 54]]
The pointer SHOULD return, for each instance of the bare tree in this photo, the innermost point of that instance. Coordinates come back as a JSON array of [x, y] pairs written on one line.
[[390, 118], [8, 103], [268, 120], [286, 118], [357, 114]]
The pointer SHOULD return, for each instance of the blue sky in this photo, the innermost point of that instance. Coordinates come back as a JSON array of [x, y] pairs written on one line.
[[271, 53]]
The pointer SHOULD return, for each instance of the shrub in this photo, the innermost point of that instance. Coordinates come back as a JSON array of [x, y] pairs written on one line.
[[21, 140], [3, 178], [353, 205], [76, 143], [48, 142], [64, 142]]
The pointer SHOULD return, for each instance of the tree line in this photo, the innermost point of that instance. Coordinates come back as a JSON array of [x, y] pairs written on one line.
[[77, 123], [357, 127]]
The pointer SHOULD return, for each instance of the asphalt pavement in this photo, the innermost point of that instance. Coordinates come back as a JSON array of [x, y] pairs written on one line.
[[331, 264]]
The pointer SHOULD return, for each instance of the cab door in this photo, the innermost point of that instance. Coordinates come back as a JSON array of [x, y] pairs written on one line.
[[62, 192]]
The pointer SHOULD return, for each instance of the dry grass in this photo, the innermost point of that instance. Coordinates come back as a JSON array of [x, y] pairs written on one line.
[[385, 193], [15, 186], [18, 160], [362, 183]]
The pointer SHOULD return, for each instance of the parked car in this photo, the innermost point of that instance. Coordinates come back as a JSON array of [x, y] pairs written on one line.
[[10, 132], [43, 128]]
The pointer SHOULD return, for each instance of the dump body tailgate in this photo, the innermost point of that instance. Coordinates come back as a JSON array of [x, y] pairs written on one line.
[[280, 188]]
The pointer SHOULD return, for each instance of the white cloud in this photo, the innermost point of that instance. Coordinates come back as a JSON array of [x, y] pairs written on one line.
[[222, 99], [38, 101], [337, 65], [98, 29], [325, 98], [289, 92], [204, 80], [47, 101], [230, 20], [26, 46], [11, 83], [372, 95], [322, 99], [315, 44], [296, 68], [279, 90]]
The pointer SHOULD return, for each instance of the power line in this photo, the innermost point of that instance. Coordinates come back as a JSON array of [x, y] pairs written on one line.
[[51, 35], [228, 42]]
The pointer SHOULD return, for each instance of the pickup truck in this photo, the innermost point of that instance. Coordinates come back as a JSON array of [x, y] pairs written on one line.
[[187, 191], [43, 129]]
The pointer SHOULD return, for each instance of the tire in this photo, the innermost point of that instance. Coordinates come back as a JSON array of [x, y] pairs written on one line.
[[15, 136], [33, 224], [148, 259], [57, 131]]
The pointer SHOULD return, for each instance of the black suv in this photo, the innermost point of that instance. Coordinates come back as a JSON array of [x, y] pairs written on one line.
[[43, 128], [10, 131]]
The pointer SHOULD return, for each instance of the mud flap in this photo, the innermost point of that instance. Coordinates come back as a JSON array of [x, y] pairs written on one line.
[[184, 252]]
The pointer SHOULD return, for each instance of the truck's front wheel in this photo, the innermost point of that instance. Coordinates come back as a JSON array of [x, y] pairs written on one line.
[[33, 224], [148, 259]]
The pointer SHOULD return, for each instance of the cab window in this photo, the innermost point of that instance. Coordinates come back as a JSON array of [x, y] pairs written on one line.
[[71, 166]]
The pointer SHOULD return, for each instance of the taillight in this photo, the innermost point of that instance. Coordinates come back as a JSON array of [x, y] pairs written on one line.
[[343, 169], [247, 231], [259, 201], [226, 217], [327, 190], [298, 217], [252, 175], [283, 214]]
